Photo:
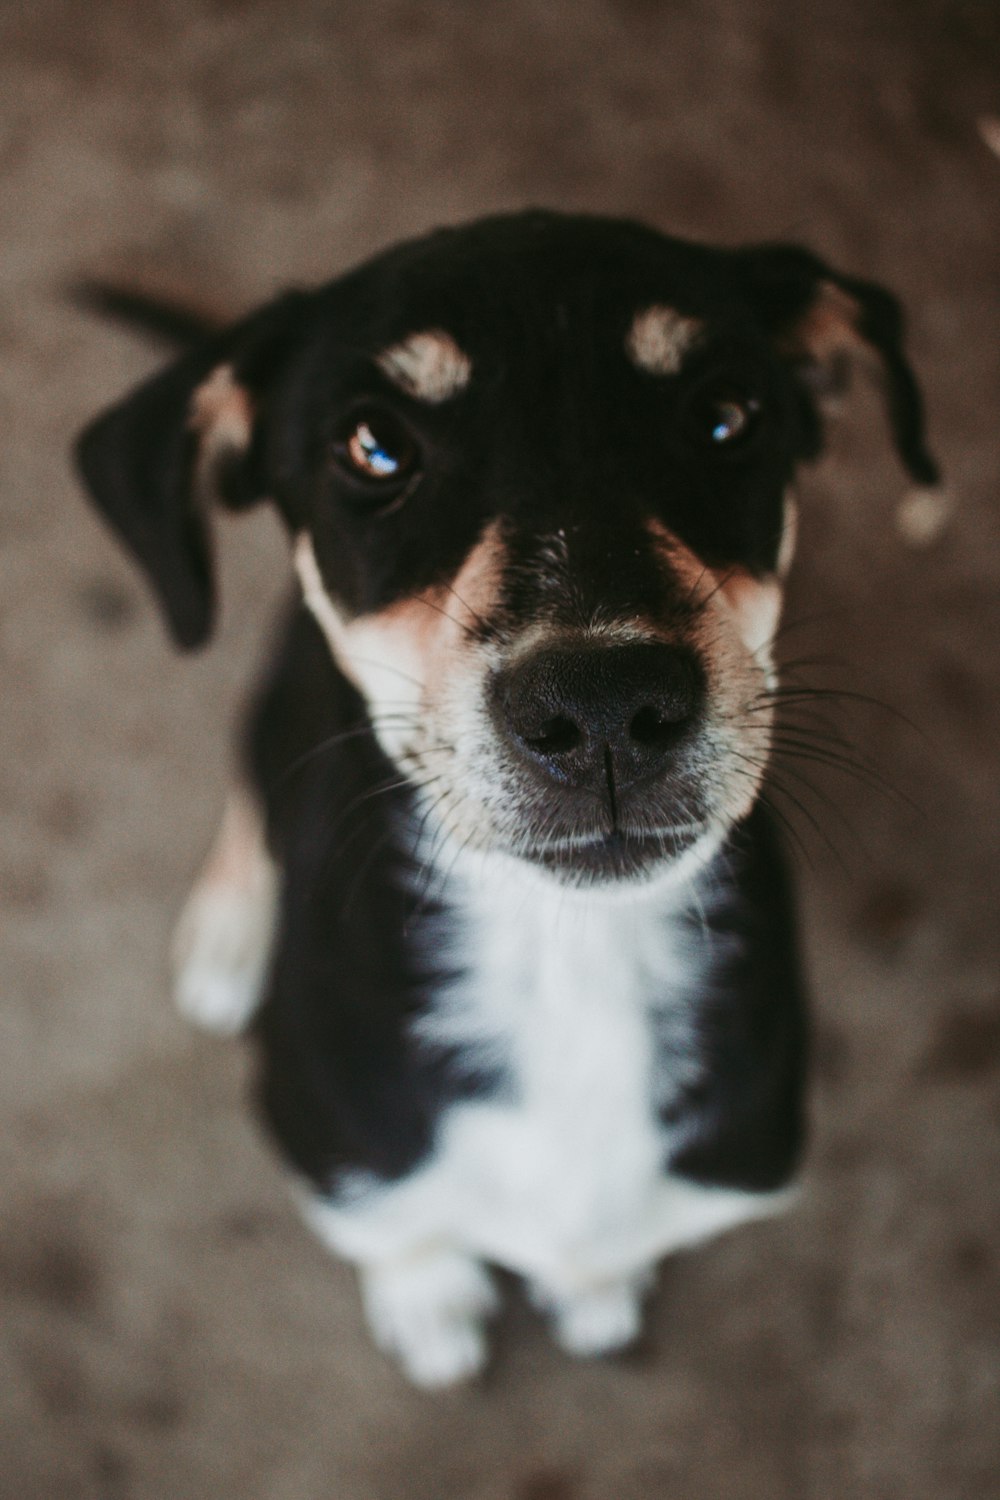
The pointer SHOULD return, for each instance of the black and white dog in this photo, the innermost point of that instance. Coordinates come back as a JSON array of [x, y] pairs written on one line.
[[496, 887]]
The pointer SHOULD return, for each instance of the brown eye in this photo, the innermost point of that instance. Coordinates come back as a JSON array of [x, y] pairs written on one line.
[[730, 419], [723, 418], [375, 447]]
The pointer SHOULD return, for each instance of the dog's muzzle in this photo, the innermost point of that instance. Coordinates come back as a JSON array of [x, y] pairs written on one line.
[[599, 735]]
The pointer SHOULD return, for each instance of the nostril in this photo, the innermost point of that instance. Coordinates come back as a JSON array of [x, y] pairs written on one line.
[[556, 736], [577, 712]]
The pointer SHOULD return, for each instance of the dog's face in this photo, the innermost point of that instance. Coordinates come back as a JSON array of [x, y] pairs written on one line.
[[536, 473]]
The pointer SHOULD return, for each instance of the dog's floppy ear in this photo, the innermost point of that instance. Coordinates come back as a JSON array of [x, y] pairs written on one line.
[[153, 461], [816, 315]]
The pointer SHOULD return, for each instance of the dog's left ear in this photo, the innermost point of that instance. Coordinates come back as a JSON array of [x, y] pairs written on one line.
[[190, 435], [815, 314]]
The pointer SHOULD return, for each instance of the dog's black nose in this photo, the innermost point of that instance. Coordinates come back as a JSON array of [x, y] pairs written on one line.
[[584, 715]]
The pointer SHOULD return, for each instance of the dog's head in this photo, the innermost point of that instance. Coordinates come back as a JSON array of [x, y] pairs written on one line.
[[536, 473]]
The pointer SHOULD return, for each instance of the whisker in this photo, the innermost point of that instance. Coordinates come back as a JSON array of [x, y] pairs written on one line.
[[383, 789], [341, 738], [799, 622], [692, 592], [362, 871], [849, 765], [483, 624], [803, 809], [784, 769], [805, 693], [438, 609], [366, 661], [789, 828], [726, 578]]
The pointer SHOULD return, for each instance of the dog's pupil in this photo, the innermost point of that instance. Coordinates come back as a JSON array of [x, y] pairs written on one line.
[[369, 454]]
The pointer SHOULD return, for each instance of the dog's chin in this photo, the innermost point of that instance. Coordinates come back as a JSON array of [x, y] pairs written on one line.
[[602, 861], [613, 860]]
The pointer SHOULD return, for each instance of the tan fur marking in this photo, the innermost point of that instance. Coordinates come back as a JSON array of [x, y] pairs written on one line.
[[989, 132], [659, 339], [222, 412], [923, 514], [427, 365], [414, 629], [733, 629], [789, 536], [829, 327], [412, 662], [756, 605]]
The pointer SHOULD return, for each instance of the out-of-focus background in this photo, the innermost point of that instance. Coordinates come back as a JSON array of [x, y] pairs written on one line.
[[169, 1329]]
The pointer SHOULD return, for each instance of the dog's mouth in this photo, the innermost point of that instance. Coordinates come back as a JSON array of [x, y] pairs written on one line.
[[613, 856]]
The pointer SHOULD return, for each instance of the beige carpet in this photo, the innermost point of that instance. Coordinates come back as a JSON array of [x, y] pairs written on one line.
[[169, 1329]]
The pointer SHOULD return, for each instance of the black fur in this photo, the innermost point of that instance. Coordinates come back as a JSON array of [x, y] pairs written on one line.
[[743, 1124]]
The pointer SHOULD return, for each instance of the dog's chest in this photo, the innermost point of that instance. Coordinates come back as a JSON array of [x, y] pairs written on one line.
[[583, 1013]]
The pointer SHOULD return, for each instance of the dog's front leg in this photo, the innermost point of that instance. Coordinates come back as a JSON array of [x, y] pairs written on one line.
[[426, 1301], [222, 945], [427, 1310], [601, 1316]]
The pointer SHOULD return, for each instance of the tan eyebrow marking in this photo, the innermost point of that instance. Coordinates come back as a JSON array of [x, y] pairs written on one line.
[[428, 365], [660, 337]]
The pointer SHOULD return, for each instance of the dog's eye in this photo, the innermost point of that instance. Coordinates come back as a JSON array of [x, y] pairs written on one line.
[[730, 419], [723, 418], [375, 447]]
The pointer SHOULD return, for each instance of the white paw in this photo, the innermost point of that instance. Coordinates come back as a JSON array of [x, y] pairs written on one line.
[[427, 1312], [600, 1320], [221, 951]]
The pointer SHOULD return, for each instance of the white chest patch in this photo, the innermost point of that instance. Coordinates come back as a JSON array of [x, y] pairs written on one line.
[[568, 998], [559, 1176]]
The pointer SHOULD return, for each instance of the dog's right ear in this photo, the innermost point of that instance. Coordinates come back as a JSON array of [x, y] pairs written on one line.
[[154, 461], [814, 313]]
